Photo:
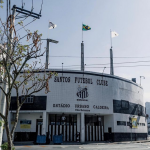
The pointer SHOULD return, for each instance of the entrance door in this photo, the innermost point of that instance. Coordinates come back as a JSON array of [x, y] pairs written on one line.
[[94, 130], [63, 124], [110, 134]]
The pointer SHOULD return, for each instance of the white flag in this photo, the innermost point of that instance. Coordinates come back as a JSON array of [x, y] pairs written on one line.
[[52, 25], [114, 34]]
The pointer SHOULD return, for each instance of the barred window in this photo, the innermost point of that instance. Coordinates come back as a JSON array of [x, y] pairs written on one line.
[[28, 99]]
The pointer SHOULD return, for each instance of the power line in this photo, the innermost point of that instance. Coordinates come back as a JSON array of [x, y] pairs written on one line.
[[98, 57], [121, 66], [118, 63], [103, 64], [103, 67], [26, 25]]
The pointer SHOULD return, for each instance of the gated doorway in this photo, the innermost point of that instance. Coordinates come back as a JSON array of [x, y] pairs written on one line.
[[63, 124], [94, 128], [39, 123]]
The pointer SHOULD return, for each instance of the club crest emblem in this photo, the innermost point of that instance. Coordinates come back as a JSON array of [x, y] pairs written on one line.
[[82, 92]]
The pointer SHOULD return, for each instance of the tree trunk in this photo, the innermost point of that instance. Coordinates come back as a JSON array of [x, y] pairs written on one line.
[[9, 139], [15, 124]]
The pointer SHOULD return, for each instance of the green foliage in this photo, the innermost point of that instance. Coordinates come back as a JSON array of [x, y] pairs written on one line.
[[5, 146], [1, 2], [20, 23]]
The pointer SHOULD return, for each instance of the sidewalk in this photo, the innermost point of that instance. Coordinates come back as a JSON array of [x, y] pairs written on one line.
[[86, 143]]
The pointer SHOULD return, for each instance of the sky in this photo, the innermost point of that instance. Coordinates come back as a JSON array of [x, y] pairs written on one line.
[[130, 19]]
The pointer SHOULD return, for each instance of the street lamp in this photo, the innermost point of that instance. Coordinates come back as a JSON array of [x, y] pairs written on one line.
[[62, 69], [140, 78], [84, 70], [47, 50], [84, 66], [104, 69], [103, 72]]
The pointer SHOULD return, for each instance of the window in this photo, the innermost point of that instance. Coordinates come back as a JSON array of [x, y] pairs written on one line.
[[139, 109], [124, 104], [121, 123], [28, 99]]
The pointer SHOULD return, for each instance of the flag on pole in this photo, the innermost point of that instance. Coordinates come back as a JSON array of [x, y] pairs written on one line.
[[52, 25], [85, 27], [114, 34]]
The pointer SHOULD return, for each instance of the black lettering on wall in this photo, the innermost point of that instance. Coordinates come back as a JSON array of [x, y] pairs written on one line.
[[55, 78], [102, 82], [62, 79]]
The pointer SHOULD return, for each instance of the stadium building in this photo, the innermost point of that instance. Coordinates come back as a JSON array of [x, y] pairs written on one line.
[[98, 106]]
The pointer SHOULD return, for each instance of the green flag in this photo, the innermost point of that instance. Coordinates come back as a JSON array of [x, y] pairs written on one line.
[[85, 27]]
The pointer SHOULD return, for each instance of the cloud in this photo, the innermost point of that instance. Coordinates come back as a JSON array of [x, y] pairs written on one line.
[[147, 96]]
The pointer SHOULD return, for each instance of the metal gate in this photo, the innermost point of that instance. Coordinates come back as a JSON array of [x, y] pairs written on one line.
[[67, 127], [69, 132], [94, 129], [94, 133]]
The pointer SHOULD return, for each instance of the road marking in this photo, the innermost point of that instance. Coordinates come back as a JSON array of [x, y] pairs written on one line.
[[42, 146], [26, 146]]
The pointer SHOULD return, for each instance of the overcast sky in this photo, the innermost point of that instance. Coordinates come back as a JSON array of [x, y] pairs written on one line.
[[129, 18]]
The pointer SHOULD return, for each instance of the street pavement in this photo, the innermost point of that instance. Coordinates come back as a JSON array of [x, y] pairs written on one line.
[[90, 146]]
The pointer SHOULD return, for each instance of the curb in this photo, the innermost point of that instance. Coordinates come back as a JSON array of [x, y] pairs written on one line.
[[88, 143]]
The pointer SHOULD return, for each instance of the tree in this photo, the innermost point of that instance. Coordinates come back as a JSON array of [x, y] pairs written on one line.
[[17, 71]]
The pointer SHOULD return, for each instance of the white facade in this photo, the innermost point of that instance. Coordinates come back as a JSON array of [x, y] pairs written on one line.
[[89, 94]]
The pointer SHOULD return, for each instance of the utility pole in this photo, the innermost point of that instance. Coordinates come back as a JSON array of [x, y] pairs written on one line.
[[26, 13], [9, 46], [130, 124]]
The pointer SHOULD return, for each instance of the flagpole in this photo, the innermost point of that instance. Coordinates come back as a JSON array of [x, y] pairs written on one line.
[[82, 31], [111, 56], [110, 38], [48, 31]]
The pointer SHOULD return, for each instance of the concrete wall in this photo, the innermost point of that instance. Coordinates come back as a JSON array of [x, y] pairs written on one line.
[[98, 95], [28, 116], [125, 117], [108, 122]]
